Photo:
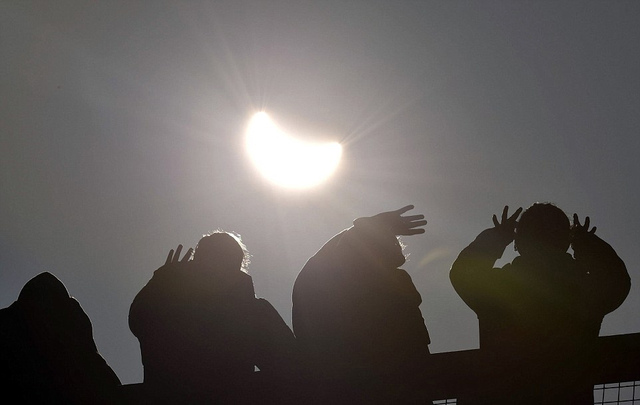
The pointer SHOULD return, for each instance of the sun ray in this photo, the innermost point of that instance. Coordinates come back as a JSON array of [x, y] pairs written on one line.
[[384, 112]]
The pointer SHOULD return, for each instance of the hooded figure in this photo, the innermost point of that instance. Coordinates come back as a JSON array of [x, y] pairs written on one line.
[[47, 349]]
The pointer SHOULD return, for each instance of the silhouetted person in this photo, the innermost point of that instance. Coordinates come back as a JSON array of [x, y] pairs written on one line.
[[356, 314], [47, 351], [202, 331], [540, 315]]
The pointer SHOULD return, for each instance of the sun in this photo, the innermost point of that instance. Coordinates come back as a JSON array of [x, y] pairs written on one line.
[[287, 161]]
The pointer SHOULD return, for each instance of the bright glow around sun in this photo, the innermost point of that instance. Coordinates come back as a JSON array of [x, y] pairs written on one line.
[[287, 161]]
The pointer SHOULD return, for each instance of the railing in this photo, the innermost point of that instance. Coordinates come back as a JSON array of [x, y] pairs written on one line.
[[615, 373], [457, 377], [627, 393]]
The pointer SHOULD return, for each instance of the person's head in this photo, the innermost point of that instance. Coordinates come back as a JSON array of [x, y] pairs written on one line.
[[385, 250], [223, 250], [45, 298], [46, 290], [542, 229]]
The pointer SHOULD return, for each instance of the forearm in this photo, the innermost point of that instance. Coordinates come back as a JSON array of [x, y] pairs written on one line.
[[482, 253], [372, 246], [146, 302], [476, 259]]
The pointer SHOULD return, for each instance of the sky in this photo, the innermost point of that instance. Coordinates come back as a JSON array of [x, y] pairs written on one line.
[[122, 135]]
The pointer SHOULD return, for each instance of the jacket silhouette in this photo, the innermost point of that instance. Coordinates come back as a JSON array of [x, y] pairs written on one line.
[[203, 332], [356, 314], [540, 315]]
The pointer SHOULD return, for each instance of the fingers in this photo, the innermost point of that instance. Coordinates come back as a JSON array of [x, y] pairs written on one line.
[[576, 222], [408, 225], [169, 257], [187, 256], [587, 223], [506, 220], [176, 256], [515, 215], [414, 224], [403, 209], [585, 227]]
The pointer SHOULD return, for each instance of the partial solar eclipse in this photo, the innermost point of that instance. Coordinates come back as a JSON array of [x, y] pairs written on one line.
[[287, 161]]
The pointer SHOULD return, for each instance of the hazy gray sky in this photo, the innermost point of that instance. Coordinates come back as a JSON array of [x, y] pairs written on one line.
[[122, 130]]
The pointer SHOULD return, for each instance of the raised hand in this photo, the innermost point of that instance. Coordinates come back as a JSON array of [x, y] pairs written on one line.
[[394, 223], [173, 258], [507, 225], [578, 230]]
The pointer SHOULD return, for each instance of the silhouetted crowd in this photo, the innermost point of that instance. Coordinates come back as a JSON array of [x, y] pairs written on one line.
[[358, 334]]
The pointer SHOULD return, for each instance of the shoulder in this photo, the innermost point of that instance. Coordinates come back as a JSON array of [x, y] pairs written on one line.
[[321, 270], [170, 271], [402, 276]]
